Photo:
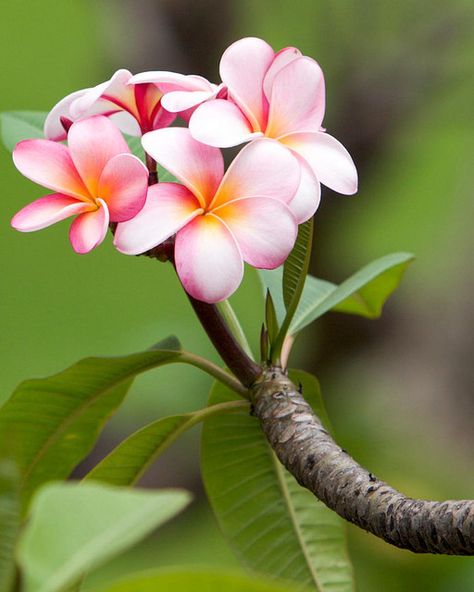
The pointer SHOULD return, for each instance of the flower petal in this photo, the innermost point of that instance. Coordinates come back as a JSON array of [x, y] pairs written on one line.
[[308, 195], [221, 123], [330, 161], [53, 128], [180, 100], [88, 230], [297, 102], [115, 90], [92, 143], [282, 58], [263, 168], [242, 68], [173, 81], [208, 259], [123, 186], [168, 208], [264, 228], [47, 210], [49, 164], [199, 167]]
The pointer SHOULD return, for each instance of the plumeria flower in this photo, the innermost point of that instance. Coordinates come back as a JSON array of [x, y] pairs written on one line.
[[94, 178], [219, 220], [181, 93], [135, 109], [282, 96]]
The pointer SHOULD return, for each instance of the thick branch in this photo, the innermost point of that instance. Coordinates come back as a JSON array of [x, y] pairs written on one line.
[[319, 464]]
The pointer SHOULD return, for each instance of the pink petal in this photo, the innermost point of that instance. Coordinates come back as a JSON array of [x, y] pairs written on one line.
[[151, 113], [297, 102], [243, 67], [263, 168], [122, 119], [330, 161], [282, 58], [308, 195], [88, 230], [221, 123], [123, 186], [115, 90], [208, 260], [168, 208], [92, 143], [49, 164], [47, 210], [53, 128], [173, 81], [264, 228], [199, 167], [180, 100]]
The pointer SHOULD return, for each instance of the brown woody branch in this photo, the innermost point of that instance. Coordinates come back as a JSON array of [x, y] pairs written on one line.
[[307, 450]]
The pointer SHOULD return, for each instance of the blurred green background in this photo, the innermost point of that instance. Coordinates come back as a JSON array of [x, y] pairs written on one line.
[[400, 83]]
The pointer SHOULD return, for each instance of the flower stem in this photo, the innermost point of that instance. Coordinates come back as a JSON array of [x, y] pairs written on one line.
[[235, 358]]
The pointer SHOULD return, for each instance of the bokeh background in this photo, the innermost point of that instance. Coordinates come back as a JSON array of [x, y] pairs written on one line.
[[400, 83]]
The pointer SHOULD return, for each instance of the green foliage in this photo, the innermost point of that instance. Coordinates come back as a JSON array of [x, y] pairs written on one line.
[[275, 526], [271, 322], [363, 294], [295, 271], [23, 125], [76, 527], [296, 266], [197, 581], [49, 425], [129, 461], [9, 521]]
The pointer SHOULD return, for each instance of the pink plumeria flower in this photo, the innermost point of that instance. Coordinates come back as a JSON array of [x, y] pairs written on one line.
[[135, 109], [181, 93], [220, 220], [95, 178], [282, 96]]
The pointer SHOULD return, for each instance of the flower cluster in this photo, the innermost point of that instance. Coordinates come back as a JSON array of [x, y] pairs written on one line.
[[273, 102]]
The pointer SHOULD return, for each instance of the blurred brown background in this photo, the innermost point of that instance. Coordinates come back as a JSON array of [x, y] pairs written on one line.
[[400, 96]]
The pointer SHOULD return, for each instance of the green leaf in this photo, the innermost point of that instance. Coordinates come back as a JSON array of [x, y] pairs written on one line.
[[276, 526], [22, 125], [363, 294], [271, 322], [295, 268], [76, 527], [130, 459], [9, 521], [295, 271], [49, 425], [195, 580]]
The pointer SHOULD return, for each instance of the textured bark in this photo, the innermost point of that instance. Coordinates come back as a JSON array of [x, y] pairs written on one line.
[[307, 450]]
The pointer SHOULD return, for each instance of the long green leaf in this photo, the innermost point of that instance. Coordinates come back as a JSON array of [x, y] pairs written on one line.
[[23, 125], [128, 462], [195, 580], [295, 268], [295, 271], [49, 425], [363, 294], [76, 527], [9, 521], [276, 527]]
